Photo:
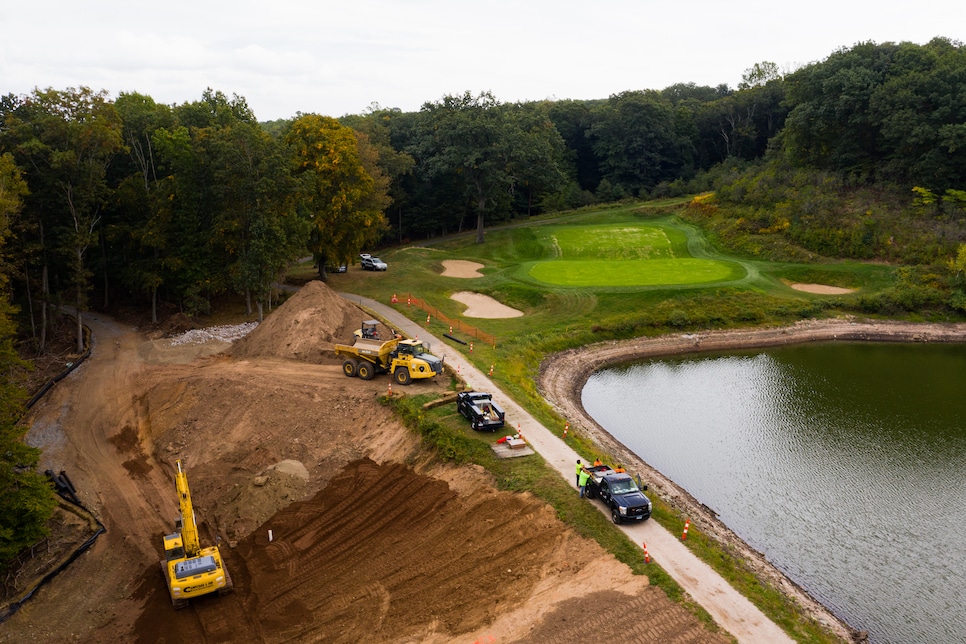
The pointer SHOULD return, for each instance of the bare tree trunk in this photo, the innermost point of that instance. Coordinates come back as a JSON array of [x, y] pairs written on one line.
[[80, 330], [30, 306], [44, 300], [480, 206], [107, 300], [80, 299]]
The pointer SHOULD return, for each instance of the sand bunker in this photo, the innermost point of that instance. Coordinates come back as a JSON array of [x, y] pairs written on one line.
[[484, 306], [462, 268], [822, 289]]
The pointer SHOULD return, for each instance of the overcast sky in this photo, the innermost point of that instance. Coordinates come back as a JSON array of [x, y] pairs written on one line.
[[336, 58]]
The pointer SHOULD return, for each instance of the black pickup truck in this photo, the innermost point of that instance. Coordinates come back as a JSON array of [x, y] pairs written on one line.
[[619, 492], [480, 410]]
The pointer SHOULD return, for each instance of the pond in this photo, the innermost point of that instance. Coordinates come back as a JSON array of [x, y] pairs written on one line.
[[842, 463]]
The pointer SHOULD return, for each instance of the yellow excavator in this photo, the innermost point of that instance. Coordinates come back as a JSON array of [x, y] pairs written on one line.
[[188, 569]]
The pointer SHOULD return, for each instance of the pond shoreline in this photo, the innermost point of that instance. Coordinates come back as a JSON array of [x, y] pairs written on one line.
[[563, 376]]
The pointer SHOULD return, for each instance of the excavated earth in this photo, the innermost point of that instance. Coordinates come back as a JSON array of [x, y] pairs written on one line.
[[371, 538]]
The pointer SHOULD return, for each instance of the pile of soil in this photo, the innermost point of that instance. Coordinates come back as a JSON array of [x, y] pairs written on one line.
[[304, 328], [372, 538]]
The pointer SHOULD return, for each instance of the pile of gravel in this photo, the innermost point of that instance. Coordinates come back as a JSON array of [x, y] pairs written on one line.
[[225, 333]]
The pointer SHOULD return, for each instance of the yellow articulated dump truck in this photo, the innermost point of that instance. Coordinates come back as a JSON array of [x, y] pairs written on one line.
[[188, 569], [404, 360]]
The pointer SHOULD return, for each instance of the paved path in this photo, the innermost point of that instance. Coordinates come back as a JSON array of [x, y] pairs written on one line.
[[731, 610]]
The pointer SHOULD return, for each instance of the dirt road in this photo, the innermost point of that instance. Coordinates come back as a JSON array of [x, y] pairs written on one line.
[[372, 539]]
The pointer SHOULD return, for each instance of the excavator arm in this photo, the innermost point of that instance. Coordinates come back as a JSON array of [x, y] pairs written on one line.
[[189, 527]]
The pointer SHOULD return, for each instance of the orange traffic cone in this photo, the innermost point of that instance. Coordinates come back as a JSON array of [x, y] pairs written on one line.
[[647, 557], [687, 524]]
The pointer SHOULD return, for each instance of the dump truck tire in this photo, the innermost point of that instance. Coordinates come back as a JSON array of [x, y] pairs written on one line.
[[366, 371], [402, 376], [350, 368]]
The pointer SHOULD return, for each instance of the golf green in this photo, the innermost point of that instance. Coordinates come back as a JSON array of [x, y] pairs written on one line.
[[649, 272]]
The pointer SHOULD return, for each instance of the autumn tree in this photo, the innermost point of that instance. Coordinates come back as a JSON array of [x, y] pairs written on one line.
[[336, 193]]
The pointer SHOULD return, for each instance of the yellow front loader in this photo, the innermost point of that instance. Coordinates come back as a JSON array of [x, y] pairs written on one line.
[[188, 569]]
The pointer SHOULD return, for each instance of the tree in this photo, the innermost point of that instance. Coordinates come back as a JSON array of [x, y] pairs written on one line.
[[255, 220], [759, 75], [636, 138], [336, 194], [890, 112], [489, 148], [26, 499], [382, 161], [66, 140], [140, 227], [536, 162]]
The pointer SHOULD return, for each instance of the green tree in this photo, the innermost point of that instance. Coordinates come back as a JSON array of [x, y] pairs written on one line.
[[336, 193], [890, 112], [26, 499], [493, 149], [139, 230], [636, 136], [255, 195], [66, 140]]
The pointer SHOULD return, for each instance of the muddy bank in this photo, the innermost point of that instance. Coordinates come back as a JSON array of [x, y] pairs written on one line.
[[562, 378]]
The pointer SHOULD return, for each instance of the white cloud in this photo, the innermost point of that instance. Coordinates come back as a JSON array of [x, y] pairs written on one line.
[[338, 57]]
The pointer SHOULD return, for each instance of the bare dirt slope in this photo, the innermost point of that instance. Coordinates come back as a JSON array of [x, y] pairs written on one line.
[[371, 540]]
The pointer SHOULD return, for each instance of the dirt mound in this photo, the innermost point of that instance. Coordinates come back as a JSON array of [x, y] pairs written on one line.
[[386, 554], [303, 328]]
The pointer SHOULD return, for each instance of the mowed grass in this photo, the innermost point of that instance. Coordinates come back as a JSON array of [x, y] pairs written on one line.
[[624, 254], [649, 272]]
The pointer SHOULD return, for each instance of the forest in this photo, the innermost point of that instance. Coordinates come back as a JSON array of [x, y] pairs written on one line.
[[166, 207]]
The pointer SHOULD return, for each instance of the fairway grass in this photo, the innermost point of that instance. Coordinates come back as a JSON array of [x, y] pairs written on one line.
[[622, 254], [646, 272]]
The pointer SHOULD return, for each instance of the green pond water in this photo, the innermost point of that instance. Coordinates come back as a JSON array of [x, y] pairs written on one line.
[[845, 464]]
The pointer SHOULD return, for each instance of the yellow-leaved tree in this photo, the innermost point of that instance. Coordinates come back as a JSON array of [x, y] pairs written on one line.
[[338, 195]]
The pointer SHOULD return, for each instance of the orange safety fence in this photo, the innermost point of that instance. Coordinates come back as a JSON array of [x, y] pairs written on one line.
[[455, 324]]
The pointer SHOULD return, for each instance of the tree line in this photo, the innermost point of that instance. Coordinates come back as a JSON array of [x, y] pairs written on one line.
[[104, 200]]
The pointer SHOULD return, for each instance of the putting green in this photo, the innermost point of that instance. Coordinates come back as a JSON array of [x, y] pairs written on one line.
[[649, 272]]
